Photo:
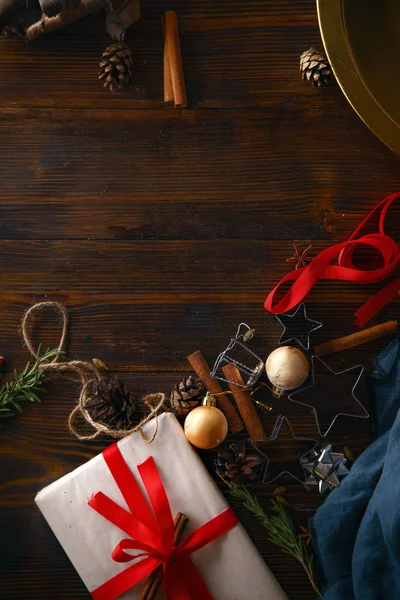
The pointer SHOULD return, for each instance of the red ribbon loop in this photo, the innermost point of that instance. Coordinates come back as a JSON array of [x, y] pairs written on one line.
[[322, 268], [153, 534]]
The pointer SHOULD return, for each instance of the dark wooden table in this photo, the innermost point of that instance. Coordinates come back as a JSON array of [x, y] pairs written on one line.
[[162, 229]]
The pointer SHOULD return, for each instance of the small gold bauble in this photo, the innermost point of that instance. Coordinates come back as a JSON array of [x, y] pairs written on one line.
[[206, 426]]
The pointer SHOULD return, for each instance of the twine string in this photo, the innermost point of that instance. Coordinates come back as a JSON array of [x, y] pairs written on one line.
[[89, 377], [266, 406]]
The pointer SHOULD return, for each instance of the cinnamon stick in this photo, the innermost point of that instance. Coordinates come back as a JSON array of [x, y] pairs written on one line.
[[155, 578], [168, 91], [244, 403], [356, 339], [173, 58], [202, 369]]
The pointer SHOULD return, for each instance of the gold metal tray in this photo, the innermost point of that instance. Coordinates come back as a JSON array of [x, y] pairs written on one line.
[[362, 41]]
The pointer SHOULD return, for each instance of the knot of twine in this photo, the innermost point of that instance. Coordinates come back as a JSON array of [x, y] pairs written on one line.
[[89, 377]]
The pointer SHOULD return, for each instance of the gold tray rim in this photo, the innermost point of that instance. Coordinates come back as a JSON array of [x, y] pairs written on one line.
[[344, 66]]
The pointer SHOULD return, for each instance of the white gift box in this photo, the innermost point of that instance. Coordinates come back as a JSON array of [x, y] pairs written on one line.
[[231, 566]]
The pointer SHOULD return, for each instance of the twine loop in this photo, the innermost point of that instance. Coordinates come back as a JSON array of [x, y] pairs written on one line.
[[89, 377]]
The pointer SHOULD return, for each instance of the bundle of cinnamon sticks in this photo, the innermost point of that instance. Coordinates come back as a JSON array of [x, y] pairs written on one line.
[[155, 579], [174, 83]]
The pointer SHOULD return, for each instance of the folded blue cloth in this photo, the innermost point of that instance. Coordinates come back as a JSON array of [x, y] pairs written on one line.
[[356, 531]]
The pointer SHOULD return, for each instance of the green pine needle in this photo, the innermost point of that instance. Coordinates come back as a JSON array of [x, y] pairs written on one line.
[[281, 531], [24, 385]]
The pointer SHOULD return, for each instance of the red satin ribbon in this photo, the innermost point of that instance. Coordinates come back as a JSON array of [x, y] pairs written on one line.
[[153, 534], [321, 268]]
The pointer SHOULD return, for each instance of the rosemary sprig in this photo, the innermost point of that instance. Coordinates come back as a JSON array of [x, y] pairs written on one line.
[[25, 385], [281, 531]]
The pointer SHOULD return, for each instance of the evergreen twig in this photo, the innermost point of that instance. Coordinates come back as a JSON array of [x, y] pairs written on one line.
[[281, 531], [25, 385]]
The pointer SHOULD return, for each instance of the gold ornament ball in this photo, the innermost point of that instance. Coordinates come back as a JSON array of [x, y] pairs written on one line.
[[206, 427], [287, 368]]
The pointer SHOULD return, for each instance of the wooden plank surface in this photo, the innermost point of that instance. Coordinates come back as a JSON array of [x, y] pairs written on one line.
[[162, 229], [166, 174]]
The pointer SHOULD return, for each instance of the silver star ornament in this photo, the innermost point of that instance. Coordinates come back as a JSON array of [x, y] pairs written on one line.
[[323, 468]]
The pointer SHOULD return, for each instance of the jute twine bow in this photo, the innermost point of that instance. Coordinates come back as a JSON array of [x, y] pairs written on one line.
[[89, 377]]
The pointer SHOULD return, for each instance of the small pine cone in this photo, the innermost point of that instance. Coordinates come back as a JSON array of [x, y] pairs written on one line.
[[112, 404], [116, 67], [315, 67], [187, 394], [236, 466]]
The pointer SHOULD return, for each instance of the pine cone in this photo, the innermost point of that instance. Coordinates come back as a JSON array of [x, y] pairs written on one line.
[[315, 67], [116, 67], [236, 467], [187, 394], [112, 404]]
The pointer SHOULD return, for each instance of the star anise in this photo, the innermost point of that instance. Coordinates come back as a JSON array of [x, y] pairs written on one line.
[[300, 257]]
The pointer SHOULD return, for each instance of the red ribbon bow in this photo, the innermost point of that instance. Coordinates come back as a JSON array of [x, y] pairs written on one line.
[[153, 534], [321, 268]]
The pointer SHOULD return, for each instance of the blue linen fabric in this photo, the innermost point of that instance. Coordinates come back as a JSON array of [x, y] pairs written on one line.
[[356, 531]]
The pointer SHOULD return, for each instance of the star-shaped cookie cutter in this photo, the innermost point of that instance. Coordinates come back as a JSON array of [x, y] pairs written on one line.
[[285, 321], [256, 442], [314, 410]]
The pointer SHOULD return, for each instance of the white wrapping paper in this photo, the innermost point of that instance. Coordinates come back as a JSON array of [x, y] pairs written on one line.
[[231, 566]]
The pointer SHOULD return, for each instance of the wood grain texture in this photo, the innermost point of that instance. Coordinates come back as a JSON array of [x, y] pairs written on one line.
[[162, 229], [147, 304], [161, 174], [229, 57]]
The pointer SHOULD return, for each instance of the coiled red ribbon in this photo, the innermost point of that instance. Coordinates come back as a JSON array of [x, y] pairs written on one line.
[[322, 268], [153, 534]]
